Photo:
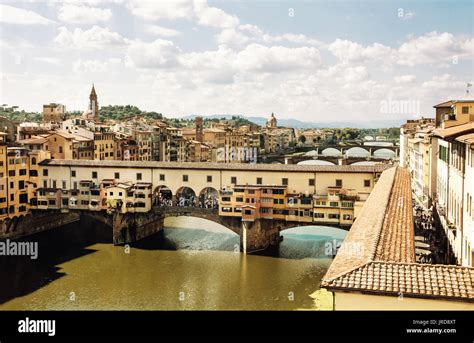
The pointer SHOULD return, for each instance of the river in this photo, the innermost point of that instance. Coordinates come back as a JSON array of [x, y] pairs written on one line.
[[192, 265]]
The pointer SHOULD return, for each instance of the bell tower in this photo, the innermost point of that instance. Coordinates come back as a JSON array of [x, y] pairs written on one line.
[[93, 103]]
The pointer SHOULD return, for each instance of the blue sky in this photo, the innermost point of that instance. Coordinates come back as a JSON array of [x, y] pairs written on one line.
[[309, 60]]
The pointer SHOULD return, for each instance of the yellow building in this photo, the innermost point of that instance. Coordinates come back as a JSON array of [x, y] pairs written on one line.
[[3, 177], [17, 182], [54, 113], [454, 112], [104, 146]]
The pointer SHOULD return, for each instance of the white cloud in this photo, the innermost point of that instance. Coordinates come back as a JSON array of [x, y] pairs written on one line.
[[213, 16], [14, 15], [278, 58], [291, 38], [434, 48], [51, 60], [254, 58], [444, 82], [244, 34], [158, 54], [231, 37], [197, 10], [405, 79], [95, 38], [155, 10], [81, 66], [83, 14], [348, 51], [161, 31]]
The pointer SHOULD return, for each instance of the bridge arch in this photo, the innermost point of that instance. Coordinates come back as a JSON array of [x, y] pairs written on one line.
[[384, 153], [357, 152], [208, 197], [162, 195], [186, 196], [331, 152]]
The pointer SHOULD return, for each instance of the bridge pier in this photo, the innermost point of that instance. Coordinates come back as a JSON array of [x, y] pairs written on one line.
[[131, 227], [259, 235]]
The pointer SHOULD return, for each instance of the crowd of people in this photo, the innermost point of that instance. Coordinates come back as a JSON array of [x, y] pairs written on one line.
[[208, 201], [425, 227]]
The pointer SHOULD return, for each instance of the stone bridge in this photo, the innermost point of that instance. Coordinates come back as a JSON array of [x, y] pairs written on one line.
[[255, 236]]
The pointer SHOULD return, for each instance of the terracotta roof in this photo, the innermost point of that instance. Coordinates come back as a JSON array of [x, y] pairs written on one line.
[[452, 102], [378, 168], [410, 279], [469, 138], [396, 239], [454, 130], [38, 140], [445, 104], [378, 257]]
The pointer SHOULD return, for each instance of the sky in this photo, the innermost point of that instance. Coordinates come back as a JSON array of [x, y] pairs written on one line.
[[318, 61]]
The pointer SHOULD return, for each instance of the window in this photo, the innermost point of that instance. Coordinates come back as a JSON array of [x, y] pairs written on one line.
[[22, 171], [347, 204], [465, 110], [162, 177], [12, 185], [45, 184], [139, 176], [284, 181], [209, 178], [185, 178], [318, 215], [33, 160], [23, 198], [64, 184], [259, 180], [73, 173], [333, 203], [333, 216], [21, 184], [11, 173], [226, 199], [75, 184], [233, 179], [311, 182], [443, 153], [94, 175], [338, 183], [60, 149], [45, 172], [239, 199], [366, 183], [117, 175]]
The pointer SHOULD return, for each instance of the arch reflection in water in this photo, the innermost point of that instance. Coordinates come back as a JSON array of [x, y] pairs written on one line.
[[311, 242], [199, 234]]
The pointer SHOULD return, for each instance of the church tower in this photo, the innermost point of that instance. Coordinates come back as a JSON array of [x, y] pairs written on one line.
[[199, 129], [93, 103]]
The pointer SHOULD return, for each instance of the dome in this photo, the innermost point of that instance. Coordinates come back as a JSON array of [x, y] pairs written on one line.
[[272, 121]]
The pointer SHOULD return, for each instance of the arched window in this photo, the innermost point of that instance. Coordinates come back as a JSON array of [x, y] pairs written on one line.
[[33, 161]]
